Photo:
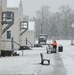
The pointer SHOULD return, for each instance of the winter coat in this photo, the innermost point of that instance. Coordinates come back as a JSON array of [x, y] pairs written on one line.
[[54, 44]]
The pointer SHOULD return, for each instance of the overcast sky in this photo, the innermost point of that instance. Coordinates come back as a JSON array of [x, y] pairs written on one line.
[[31, 6]]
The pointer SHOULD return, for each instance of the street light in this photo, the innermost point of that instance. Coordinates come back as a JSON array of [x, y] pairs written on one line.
[[72, 34]]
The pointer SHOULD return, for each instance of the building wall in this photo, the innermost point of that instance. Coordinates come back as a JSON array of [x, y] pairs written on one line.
[[0, 28], [30, 35], [4, 5], [15, 31], [15, 28]]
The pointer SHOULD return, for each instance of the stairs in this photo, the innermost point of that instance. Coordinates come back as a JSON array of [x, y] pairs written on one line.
[[7, 18], [24, 27], [6, 28], [23, 31]]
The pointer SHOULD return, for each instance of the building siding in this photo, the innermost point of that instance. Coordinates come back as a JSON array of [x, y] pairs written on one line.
[[0, 27], [15, 31], [30, 35]]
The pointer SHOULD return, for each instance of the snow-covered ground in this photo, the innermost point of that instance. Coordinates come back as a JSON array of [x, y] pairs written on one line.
[[68, 56], [61, 63]]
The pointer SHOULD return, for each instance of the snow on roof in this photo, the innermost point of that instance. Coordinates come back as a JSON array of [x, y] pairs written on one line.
[[13, 3]]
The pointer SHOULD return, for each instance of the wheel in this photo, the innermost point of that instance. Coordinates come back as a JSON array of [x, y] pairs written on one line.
[[49, 62], [42, 62]]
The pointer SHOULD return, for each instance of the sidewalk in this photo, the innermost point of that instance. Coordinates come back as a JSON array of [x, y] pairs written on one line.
[[56, 67], [29, 64]]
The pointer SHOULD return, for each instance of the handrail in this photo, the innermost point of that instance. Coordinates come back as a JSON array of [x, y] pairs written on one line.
[[11, 41], [7, 27], [16, 43], [23, 32], [30, 43]]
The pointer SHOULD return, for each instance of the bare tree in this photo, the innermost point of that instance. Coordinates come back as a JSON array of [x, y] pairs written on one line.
[[56, 24], [43, 16], [67, 18]]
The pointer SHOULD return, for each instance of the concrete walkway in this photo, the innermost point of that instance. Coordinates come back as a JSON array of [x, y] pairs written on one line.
[[29, 63], [55, 68]]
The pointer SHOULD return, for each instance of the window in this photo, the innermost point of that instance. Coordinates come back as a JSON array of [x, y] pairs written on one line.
[[8, 34], [24, 25]]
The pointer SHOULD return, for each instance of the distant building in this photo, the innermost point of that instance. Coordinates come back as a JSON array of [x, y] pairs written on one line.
[[29, 35]]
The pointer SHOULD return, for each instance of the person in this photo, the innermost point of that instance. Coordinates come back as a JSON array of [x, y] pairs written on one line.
[[54, 44]]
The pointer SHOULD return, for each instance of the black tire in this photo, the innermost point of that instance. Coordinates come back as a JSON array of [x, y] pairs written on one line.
[[42, 62], [49, 62]]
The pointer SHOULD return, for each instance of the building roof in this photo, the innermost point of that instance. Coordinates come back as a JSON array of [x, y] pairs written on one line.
[[13, 3]]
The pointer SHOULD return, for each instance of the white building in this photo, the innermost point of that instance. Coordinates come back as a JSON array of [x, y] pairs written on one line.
[[0, 24], [14, 30], [29, 35]]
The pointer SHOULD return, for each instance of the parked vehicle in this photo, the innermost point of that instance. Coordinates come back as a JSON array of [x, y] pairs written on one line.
[[42, 38]]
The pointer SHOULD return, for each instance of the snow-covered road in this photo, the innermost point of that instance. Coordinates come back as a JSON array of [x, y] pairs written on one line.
[[68, 56], [61, 63]]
